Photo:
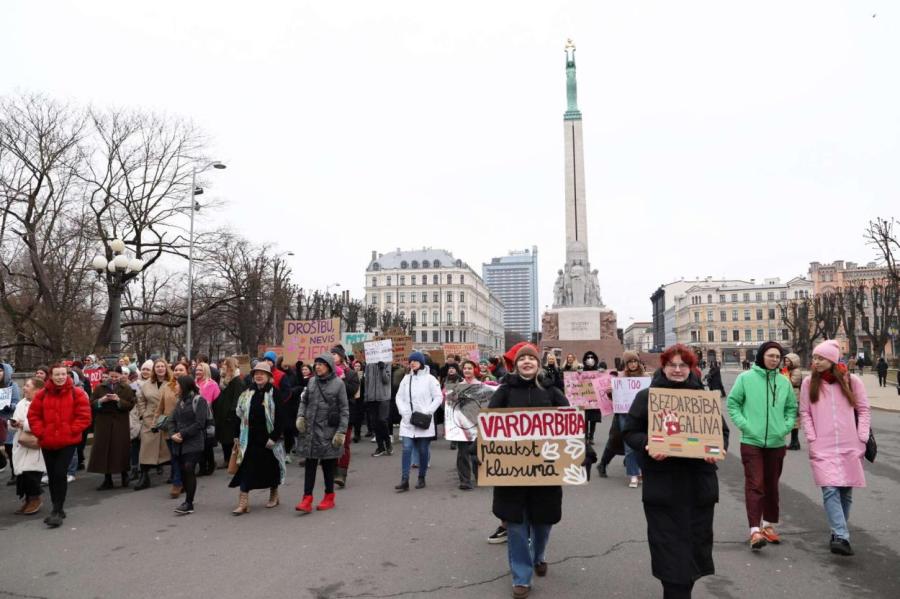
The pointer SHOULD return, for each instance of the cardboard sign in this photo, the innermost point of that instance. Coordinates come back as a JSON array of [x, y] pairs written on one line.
[[379, 351], [462, 404], [463, 350], [531, 447], [349, 341], [402, 348], [244, 362], [588, 390], [307, 339], [624, 389], [685, 423], [437, 356], [262, 349], [359, 350]]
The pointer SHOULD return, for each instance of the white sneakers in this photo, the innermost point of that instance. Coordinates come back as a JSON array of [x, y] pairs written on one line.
[[633, 483]]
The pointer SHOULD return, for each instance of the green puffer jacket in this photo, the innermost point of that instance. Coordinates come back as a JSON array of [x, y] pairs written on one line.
[[762, 405]]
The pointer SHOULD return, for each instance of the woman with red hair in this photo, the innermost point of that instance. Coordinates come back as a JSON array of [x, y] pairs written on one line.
[[679, 494]]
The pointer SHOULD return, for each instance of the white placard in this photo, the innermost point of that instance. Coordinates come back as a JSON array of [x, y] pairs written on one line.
[[379, 351], [624, 389]]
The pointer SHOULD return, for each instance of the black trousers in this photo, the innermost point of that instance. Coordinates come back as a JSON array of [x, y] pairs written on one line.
[[28, 484], [57, 463], [882, 380], [188, 462], [673, 590], [12, 469], [378, 420], [465, 462], [228, 447], [208, 462], [309, 474]]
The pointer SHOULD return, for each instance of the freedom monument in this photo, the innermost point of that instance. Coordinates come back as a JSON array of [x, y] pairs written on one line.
[[578, 320]]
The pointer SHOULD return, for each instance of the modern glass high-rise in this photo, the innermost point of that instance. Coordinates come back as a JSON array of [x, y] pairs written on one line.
[[514, 280]]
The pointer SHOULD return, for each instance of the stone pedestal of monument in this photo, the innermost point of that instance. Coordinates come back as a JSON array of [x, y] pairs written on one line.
[[579, 329]]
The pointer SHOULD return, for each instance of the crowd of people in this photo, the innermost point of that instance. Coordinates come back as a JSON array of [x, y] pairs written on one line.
[[181, 415]]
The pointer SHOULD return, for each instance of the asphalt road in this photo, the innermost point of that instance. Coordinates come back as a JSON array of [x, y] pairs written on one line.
[[432, 542]]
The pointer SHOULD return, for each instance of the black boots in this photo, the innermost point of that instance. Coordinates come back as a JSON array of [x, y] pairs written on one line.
[[134, 474], [420, 484], [601, 468], [144, 482], [403, 486], [124, 480], [795, 440]]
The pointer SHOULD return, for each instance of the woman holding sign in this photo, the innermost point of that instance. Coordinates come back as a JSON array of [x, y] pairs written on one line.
[[679, 494], [529, 512]]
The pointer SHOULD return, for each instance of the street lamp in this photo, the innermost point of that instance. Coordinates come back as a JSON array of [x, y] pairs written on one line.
[[194, 207], [329, 286], [116, 272], [275, 298]]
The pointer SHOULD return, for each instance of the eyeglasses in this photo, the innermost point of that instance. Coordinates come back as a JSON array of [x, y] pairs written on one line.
[[675, 366]]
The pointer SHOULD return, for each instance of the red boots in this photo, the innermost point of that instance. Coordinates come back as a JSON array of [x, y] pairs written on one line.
[[305, 504], [327, 502]]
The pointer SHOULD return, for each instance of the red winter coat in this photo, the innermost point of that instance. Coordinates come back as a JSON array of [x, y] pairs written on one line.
[[59, 415]]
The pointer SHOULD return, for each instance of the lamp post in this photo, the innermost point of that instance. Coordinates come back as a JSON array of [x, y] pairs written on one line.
[[275, 298], [116, 272], [329, 286], [194, 207]]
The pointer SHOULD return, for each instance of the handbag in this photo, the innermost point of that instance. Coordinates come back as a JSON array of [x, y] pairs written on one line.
[[233, 460], [871, 446], [418, 419], [28, 440]]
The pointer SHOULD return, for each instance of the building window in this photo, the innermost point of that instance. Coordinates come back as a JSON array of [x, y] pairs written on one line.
[[424, 297], [462, 317], [424, 336], [435, 336], [426, 264], [404, 264], [709, 315], [693, 336], [449, 317], [711, 336], [389, 281], [462, 279], [783, 295], [771, 296], [402, 314], [724, 336], [784, 335], [760, 335], [735, 335], [414, 264], [734, 315], [721, 298], [759, 314], [723, 315], [462, 296], [436, 297], [696, 317], [412, 318], [449, 297], [388, 298], [772, 334], [748, 335], [437, 263], [434, 318], [374, 300], [401, 298], [412, 280], [746, 314], [449, 279], [734, 297], [709, 298], [746, 297], [374, 281], [412, 297], [771, 313], [402, 280], [434, 279], [462, 336], [424, 317]]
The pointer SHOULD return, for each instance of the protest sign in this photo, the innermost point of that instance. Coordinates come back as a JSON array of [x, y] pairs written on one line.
[[243, 361], [465, 351], [379, 351], [624, 389], [685, 423], [262, 349], [358, 350], [531, 447], [462, 403], [402, 348], [349, 341], [588, 390], [437, 356], [307, 339]]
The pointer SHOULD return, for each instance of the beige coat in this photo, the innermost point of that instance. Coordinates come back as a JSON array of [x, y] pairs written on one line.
[[153, 445]]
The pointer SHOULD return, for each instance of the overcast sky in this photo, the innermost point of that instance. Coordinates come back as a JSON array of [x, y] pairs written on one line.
[[726, 139]]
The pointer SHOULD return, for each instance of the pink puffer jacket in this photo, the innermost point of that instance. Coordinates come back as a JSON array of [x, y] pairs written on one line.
[[836, 444]]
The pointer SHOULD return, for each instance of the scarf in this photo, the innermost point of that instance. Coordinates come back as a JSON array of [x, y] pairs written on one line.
[[828, 375], [243, 413]]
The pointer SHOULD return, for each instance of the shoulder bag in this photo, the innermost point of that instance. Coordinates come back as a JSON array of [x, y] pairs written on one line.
[[871, 446], [418, 419]]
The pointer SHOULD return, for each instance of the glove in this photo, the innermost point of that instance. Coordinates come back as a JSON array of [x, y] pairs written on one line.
[[338, 440], [270, 444], [301, 424]]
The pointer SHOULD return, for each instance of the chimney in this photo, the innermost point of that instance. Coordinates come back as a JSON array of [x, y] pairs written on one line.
[[374, 255]]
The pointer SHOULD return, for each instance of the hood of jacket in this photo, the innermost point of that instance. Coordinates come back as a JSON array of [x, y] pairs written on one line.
[[590, 354], [794, 358], [7, 375], [329, 360]]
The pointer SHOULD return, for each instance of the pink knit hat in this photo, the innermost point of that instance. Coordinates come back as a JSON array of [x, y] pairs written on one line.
[[830, 350]]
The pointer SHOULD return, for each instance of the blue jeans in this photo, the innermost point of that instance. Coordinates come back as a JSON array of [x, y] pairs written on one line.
[[631, 458], [422, 446], [837, 507], [73, 465], [176, 466], [526, 543]]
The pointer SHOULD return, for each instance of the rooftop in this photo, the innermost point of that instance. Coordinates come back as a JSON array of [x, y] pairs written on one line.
[[424, 258]]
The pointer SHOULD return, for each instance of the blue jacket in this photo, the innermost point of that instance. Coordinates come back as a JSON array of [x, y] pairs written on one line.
[[9, 392]]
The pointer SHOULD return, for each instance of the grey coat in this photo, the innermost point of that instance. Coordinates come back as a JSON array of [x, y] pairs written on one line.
[[378, 382], [321, 396]]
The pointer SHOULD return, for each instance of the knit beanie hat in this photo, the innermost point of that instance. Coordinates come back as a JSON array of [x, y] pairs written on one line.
[[147, 364], [527, 350], [763, 349], [418, 357], [830, 350]]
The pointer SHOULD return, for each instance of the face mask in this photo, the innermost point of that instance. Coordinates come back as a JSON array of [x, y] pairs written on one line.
[[589, 361]]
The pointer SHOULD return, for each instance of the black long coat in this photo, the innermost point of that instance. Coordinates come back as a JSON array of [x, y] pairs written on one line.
[[259, 467], [543, 504], [679, 497], [111, 451], [227, 423]]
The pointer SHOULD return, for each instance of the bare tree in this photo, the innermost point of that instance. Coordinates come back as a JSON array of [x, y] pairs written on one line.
[[797, 317]]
